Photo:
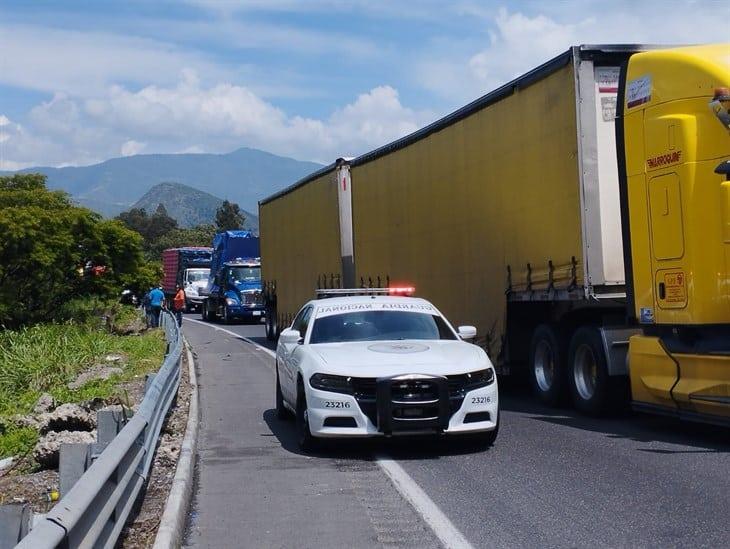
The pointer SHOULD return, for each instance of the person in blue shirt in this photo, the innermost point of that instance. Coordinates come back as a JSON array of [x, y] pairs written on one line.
[[157, 300]]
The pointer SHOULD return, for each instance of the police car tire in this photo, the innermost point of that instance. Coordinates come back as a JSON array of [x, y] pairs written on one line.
[[485, 440], [281, 411], [306, 441]]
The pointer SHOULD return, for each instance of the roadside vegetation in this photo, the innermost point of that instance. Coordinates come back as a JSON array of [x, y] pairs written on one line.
[[46, 358], [62, 270]]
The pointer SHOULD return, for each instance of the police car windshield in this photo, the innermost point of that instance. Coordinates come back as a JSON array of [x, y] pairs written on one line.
[[244, 274], [379, 326]]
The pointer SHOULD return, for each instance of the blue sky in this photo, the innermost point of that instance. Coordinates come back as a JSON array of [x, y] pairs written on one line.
[[81, 82]]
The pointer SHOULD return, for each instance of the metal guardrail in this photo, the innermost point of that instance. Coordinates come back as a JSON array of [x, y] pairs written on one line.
[[95, 510]]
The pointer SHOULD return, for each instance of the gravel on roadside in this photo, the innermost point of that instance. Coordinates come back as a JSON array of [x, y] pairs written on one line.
[[142, 530]]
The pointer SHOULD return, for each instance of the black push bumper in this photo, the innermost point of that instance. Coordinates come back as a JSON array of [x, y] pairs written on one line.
[[413, 402]]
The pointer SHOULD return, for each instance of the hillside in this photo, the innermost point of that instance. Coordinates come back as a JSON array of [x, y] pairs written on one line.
[[187, 205], [244, 176]]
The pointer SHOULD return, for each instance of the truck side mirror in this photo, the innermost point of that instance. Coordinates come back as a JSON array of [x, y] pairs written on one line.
[[723, 168]]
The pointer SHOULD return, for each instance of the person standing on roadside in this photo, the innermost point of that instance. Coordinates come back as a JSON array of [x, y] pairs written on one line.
[[147, 309], [178, 303], [157, 300]]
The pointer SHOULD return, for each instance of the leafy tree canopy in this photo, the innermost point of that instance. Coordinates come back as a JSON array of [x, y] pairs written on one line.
[[52, 250], [229, 217]]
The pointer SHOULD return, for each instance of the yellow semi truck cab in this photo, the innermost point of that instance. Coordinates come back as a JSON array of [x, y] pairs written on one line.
[[674, 125]]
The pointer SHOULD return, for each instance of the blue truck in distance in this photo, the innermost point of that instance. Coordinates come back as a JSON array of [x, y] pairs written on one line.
[[234, 284]]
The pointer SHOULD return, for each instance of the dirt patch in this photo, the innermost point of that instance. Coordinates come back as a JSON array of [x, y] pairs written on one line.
[[33, 488], [142, 530]]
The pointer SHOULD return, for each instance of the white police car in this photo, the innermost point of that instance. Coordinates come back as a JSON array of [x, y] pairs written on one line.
[[382, 364]]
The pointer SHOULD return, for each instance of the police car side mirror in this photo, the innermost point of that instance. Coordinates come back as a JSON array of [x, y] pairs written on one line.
[[467, 332], [290, 336]]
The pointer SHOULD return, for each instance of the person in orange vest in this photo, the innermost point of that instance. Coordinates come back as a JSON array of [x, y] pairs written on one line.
[[178, 303]]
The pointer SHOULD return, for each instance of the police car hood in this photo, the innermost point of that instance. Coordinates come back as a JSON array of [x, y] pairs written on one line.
[[386, 358]]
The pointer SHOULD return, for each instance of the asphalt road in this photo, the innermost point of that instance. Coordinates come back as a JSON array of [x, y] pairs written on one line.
[[553, 479]]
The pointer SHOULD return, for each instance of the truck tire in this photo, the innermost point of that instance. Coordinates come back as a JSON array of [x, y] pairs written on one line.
[[204, 310], [225, 319], [594, 392], [271, 326], [210, 311], [547, 366]]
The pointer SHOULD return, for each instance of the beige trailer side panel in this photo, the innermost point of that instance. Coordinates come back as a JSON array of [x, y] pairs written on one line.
[[448, 213], [300, 241]]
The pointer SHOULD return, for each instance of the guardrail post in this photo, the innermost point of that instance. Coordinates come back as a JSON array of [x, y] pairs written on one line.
[[108, 425], [73, 461], [148, 381], [14, 523]]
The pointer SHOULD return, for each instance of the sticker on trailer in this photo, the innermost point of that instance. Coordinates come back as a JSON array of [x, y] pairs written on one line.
[[607, 79], [608, 108], [638, 91]]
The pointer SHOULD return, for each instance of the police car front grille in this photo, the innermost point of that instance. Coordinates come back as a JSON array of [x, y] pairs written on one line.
[[364, 389]]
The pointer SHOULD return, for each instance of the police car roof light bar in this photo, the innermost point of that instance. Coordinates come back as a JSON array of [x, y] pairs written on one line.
[[405, 291]]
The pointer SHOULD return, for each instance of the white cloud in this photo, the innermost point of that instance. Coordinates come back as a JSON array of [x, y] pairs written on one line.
[[223, 117], [515, 41], [85, 63], [132, 147]]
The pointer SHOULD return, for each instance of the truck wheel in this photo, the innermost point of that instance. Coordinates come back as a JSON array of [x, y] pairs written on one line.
[[547, 367], [224, 317], [270, 325], [281, 411], [204, 310], [210, 311], [304, 436], [594, 392]]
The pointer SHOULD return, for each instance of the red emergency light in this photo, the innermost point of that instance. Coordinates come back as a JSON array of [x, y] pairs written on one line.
[[404, 291]]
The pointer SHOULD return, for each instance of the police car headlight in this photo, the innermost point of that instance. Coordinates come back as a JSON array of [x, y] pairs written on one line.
[[231, 301], [480, 378], [335, 384]]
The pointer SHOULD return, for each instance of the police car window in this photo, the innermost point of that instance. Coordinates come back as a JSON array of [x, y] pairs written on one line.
[[379, 326], [302, 320], [305, 320]]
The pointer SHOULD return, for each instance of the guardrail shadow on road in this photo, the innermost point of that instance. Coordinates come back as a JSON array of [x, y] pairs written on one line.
[[418, 447], [624, 424]]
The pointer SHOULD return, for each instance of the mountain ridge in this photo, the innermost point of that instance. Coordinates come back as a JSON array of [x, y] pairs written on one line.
[[243, 176], [187, 205]]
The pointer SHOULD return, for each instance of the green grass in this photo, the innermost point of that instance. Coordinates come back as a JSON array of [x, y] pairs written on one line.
[[44, 358]]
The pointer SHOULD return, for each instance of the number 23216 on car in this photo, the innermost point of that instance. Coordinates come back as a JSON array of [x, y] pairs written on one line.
[[370, 365]]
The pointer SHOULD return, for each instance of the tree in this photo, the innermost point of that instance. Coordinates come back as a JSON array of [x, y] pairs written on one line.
[[153, 228], [201, 235], [229, 217], [52, 250]]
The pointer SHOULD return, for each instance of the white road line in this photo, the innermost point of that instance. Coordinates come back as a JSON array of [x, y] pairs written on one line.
[[442, 527], [239, 336]]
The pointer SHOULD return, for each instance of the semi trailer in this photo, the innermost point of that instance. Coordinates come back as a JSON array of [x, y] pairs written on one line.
[[579, 216]]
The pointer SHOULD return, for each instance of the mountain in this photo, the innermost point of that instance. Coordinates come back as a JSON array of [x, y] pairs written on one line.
[[244, 176], [187, 205]]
